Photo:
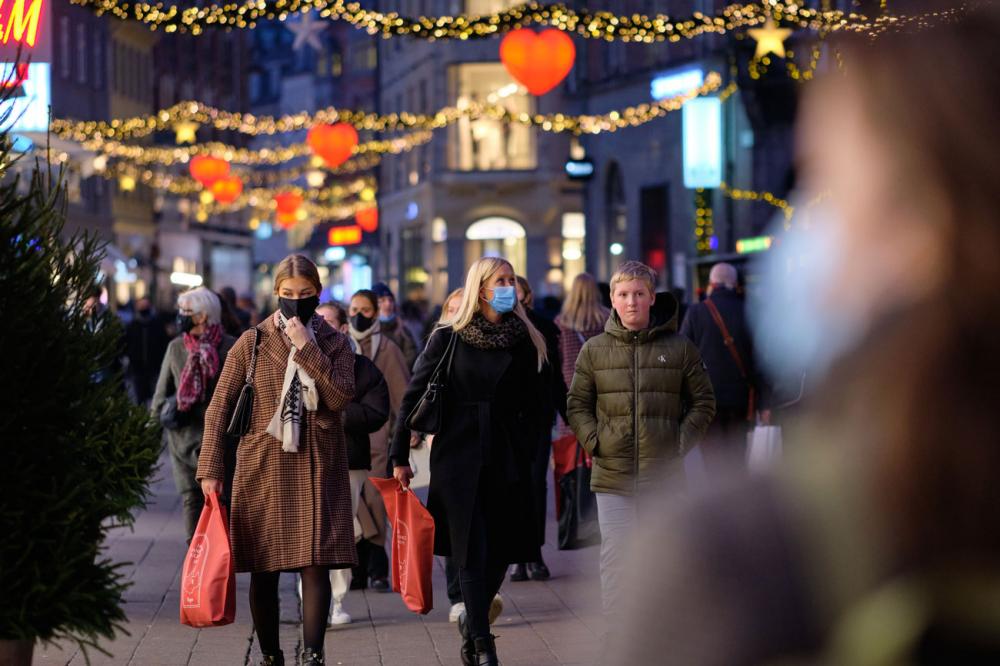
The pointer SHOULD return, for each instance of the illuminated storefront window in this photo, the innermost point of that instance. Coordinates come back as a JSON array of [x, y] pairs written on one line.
[[485, 144], [497, 237]]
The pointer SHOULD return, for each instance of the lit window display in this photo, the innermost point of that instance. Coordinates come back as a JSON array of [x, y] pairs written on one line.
[[485, 144]]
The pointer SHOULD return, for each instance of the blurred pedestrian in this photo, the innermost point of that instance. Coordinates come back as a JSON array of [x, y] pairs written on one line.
[[480, 495], [231, 321], [291, 503], [145, 345], [228, 296], [368, 339], [364, 415], [245, 302], [640, 399], [878, 541], [188, 374], [718, 327], [391, 326], [555, 402]]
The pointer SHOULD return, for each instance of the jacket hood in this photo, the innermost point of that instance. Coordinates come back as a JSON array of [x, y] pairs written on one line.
[[663, 320]]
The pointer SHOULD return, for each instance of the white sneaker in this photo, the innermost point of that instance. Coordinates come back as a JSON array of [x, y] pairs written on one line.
[[496, 607], [338, 615], [456, 610]]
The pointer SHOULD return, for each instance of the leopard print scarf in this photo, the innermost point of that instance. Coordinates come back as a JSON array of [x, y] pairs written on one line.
[[481, 333]]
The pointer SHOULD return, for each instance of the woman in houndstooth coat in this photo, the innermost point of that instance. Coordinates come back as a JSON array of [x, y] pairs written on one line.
[[291, 503]]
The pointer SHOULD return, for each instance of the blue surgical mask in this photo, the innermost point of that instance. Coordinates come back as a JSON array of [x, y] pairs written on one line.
[[793, 329], [385, 319], [503, 299]]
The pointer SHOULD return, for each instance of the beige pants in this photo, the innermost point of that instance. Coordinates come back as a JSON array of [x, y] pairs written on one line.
[[340, 579]]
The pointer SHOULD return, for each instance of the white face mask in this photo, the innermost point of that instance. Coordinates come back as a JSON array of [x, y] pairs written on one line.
[[795, 329]]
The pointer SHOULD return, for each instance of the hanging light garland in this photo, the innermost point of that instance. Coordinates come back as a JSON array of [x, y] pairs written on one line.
[[107, 135], [603, 25]]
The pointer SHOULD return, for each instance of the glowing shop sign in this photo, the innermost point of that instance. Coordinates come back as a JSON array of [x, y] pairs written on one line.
[[702, 120], [30, 112], [755, 244], [344, 235], [19, 21]]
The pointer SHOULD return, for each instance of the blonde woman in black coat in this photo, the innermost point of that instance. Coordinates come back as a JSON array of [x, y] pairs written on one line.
[[480, 491]]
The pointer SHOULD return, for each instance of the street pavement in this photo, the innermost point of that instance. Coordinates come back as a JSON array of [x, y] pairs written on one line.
[[553, 622]]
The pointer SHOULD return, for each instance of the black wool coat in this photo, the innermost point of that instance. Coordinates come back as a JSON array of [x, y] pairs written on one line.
[[492, 411], [366, 413]]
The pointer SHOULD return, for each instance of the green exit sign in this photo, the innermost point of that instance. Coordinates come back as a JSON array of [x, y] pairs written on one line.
[[755, 244]]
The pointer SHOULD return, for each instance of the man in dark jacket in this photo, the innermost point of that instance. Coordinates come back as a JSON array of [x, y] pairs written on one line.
[[145, 345], [392, 326], [640, 399], [734, 381], [365, 414]]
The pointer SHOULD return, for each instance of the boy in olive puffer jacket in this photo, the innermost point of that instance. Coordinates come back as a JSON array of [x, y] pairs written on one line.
[[640, 399]]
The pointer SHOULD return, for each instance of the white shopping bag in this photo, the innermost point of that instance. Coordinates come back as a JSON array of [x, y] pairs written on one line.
[[763, 447]]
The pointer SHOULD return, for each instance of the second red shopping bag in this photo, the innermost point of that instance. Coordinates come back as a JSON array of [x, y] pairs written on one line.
[[412, 545]]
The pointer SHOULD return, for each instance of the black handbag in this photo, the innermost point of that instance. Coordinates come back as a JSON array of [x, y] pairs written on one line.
[[427, 414], [170, 417], [239, 423]]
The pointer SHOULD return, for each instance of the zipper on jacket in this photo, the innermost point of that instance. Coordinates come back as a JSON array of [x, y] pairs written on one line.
[[635, 415]]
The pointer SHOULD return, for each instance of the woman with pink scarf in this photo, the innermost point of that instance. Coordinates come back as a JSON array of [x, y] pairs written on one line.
[[187, 379]]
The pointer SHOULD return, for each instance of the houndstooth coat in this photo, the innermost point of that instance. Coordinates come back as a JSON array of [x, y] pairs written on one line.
[[288, 510]]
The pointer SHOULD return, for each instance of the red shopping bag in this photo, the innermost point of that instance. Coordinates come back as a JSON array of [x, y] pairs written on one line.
[[208, 583], [412, 545]]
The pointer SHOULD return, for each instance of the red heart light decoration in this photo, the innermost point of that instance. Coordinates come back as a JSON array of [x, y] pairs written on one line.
[[334, 143], [539, 61], [207, 169], [226, 190], [288, 207], [367, 219]]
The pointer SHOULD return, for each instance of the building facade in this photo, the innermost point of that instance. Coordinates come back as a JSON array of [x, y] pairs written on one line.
[[480, 187]]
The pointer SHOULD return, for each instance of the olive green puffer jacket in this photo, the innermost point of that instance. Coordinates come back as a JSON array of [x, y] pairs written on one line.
[[639, 400]]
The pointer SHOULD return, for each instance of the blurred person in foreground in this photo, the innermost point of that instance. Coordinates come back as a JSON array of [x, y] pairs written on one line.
[[639, 400], [367, 412], [879, 541]]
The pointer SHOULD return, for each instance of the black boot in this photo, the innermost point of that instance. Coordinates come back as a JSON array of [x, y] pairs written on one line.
[[538, 570], [518, 574], [312, 658], [486, 652], [468, 653], [272, 659]]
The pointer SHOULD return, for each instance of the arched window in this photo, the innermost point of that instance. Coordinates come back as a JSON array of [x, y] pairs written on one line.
[[497, 237]]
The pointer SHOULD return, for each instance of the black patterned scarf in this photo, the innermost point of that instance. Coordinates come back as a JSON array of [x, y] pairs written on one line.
[[481, 333]]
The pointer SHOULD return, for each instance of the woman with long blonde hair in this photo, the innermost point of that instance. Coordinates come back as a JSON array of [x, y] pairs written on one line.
[[583, 316], [480, 493]]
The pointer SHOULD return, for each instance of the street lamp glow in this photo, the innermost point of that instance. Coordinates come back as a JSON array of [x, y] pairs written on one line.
[[616, 249], [182, 279]]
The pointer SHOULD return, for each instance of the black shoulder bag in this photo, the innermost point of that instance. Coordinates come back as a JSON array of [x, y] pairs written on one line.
[[239, 423], [427, 414]]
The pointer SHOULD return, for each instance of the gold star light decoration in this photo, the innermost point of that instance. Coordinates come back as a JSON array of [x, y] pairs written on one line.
[[185, 131], [770, 39]]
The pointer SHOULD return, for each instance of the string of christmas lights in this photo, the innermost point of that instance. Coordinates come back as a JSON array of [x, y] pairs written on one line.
[[96, 134], [602, 25], [268, 155]]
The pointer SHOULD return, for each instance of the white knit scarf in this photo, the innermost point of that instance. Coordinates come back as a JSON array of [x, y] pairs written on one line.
[[298, 390], [374, 332]]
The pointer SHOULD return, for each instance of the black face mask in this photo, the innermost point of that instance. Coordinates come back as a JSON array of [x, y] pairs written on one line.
[[144, 313], [303, 308], [185, 323], [361, 323]]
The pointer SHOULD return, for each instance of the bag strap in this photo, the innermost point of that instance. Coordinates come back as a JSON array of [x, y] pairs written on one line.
[[449, 354], [583, 340], [726, 337], [253, 355]]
